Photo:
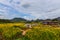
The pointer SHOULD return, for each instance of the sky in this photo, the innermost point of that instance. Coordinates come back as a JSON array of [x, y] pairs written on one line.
[[29, 9]]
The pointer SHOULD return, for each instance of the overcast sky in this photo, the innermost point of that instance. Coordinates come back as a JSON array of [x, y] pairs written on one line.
[[30, 9]]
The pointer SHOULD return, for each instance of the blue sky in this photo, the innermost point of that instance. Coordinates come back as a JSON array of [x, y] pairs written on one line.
[[29, 9]]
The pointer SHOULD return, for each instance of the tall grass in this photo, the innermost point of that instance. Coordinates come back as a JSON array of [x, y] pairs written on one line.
[[12, 31]]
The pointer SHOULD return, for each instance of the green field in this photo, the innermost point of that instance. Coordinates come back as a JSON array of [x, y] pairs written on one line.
[[13, 31]]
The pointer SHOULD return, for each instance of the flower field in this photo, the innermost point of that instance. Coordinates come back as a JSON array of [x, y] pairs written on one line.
[[13, 31]]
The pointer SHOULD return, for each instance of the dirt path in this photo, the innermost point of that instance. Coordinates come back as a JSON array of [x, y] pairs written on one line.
[[24, 31]]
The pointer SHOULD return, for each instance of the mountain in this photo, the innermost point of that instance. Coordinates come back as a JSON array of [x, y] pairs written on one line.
[[18, 20], [56, 19], [12, 20], [24, 20], [5, 21]]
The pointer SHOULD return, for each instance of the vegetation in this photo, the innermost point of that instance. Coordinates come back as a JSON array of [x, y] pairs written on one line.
[[13, 31], [15, 28]]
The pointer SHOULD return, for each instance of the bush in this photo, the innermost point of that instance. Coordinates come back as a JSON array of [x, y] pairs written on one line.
[[37, 34], [11, 33]]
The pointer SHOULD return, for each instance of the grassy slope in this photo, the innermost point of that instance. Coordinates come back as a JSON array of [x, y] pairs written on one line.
[[13, 32]]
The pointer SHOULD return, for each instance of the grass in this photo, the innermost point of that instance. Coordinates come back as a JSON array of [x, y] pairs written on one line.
[[12, 31]]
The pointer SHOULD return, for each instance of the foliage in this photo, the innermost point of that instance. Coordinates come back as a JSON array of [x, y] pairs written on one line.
[[12, 31]]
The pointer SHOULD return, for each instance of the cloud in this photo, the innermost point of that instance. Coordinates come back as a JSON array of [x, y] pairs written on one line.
[[32, 9], [26, 5]]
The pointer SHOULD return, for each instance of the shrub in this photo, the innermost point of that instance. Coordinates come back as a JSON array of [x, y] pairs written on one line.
[[37, 34], [11, 33]]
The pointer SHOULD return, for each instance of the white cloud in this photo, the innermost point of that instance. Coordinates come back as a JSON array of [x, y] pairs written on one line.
[[42, 9]]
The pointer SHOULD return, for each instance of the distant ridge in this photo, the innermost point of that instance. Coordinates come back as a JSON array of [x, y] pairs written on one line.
[[57, 19], [18, 19], [24, 20]]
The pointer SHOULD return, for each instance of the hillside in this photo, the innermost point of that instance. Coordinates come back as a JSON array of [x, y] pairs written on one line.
[[18, 20], [24, 20]]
